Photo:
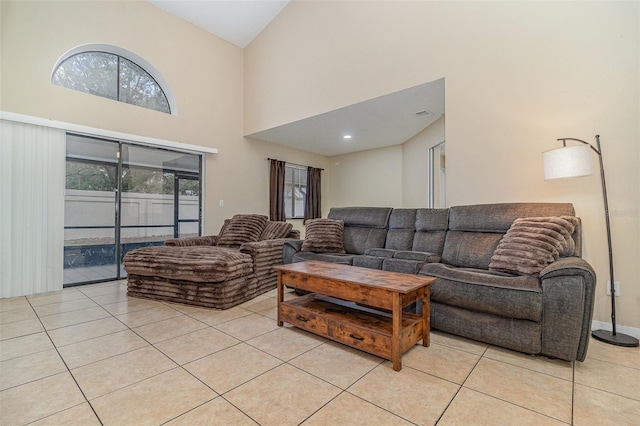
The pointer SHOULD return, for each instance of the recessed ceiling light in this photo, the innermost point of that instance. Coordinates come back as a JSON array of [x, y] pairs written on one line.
[[423, 114], [347, 136]]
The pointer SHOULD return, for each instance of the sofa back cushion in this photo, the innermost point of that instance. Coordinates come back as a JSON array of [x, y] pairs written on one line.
[[324, 236], [274, 230], [475, 231], [402, 228], [431, 230], [364, 227], [242, 228]]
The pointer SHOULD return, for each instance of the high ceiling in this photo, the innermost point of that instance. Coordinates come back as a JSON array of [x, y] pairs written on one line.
[[237, 21], [384, 121]]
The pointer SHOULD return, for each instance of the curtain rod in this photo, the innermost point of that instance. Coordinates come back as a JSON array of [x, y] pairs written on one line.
[[299, 165]]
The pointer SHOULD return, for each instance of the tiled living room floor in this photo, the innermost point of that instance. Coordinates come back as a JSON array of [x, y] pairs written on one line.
[[91, 355]]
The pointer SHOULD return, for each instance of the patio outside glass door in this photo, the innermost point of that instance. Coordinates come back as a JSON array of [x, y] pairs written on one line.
[[121, 197]]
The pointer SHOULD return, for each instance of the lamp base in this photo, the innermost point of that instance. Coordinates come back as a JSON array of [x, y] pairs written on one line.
[[619, 339]]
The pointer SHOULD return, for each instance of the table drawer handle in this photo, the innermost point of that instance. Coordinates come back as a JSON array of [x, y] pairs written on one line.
[[301, 318], [336, 310], [356, 337]]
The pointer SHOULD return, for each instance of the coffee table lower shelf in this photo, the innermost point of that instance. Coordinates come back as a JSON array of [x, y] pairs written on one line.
[[361, 328]]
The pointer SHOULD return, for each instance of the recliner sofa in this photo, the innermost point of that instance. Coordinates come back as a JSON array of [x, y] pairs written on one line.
[[546, 313]]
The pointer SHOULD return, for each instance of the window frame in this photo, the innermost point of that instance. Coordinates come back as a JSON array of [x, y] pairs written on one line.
[[295, 169], [131, 57]]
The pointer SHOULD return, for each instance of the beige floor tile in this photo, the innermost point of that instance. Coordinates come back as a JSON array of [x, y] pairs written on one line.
[[93, 290], [338, 364], [153, 401], [196, 345], [36, 400], [20, 314], [457, 342], [129, 305], [12, 303], [613, 378], [105, 299], [80, 415], [248, 327], [226, 369], [541, 364], [441, 361], [628, 357], [66, 319], [286, 342], [347, 409], [282, 396], [216, 316], [408, 393], [607, 408], [24, 345], [218, 411], [62, 307], [93, 350], [27, 368], [270, 313], [20, 328], [114, 373], [257, 299], [169, 328], [474, 408], [148, 316], [85, 331], [257, 305], [539, 392], [55, 297]]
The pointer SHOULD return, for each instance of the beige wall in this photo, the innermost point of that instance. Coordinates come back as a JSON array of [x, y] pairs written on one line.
[[204, 72], [518, 76]]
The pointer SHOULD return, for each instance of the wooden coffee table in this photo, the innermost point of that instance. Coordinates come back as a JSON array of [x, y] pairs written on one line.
[[359, 307]]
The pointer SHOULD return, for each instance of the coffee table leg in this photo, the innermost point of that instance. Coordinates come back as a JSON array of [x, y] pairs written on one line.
[[396, 353], [426, 317], [280, 297]]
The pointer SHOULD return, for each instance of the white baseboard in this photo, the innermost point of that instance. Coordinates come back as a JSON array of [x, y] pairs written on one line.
[[631, 331]]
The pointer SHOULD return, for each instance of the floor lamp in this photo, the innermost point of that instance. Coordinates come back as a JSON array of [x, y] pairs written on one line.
[[574, 161]]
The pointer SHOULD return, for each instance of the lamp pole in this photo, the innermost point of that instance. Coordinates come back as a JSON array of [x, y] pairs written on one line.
[[611, 337]]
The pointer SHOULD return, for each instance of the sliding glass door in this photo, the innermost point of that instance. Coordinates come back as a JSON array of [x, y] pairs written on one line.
[[121, 197]]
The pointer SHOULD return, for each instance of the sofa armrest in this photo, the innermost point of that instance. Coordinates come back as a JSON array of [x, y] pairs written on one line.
[[265, 254], [291, 247], [568, 292], [209, 240]]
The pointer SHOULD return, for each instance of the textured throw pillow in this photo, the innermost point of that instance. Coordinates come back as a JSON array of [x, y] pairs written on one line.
[[324, 236], [275, 230], [242, 228], [532, 243]]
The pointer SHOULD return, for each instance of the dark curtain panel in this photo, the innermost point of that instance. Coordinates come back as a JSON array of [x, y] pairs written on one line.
[[312, 206], [276, 190]]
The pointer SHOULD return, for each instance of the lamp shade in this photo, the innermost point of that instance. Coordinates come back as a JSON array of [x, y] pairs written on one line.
[[570, 161]]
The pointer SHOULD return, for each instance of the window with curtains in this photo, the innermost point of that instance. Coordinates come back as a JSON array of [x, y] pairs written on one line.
[[111, 75], [295, 191]]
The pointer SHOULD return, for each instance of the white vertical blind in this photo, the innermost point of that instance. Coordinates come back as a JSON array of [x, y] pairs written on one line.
[[32, 181]]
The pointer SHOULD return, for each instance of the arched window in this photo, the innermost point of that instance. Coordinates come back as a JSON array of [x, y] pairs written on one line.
[[113, 73]]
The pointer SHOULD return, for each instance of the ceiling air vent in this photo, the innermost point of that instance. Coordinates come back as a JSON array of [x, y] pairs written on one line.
[[423, 114]]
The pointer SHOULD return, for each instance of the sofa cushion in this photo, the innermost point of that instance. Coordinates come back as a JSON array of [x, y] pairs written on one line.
[[274, 230], [242, 228], [365, 261], [303, 256], [324, 236], [380, 252], [470, 249], [203, 264], [402, 265], [359, 240], [417, 255], [367, 217], [428, 220], [533, 243], [485, 291]]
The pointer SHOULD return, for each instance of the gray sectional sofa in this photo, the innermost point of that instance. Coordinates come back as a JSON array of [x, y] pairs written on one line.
[[546, 313]]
